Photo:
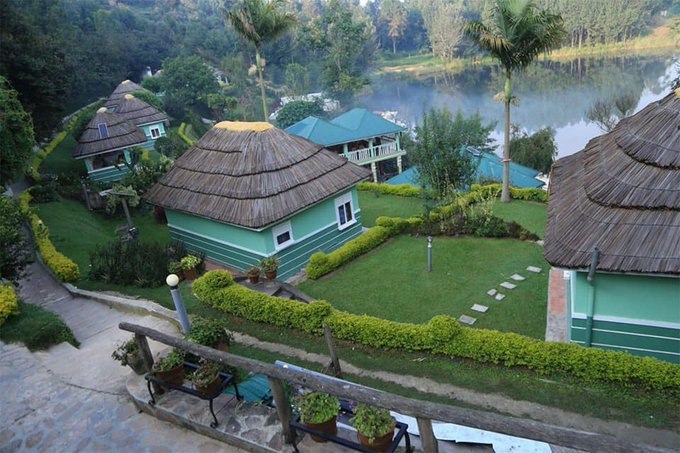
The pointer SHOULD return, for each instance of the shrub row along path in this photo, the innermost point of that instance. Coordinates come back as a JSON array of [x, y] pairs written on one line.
[[68, 399]]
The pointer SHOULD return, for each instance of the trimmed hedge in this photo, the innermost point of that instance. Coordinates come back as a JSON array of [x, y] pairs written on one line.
[[442, 335], [65, 269], [402, 190], [184, 136], [8, 303], [321, 264]]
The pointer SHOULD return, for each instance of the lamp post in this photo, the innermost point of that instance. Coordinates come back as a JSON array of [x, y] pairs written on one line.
[[429, 253], [173, 281]]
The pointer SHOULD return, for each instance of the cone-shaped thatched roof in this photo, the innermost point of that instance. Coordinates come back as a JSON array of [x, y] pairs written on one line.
[[252, 175], [123, 88], [115, 134], [139, 112], [621, 194]]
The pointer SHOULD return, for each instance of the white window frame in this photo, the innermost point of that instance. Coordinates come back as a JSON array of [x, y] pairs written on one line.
[[278, 230], [341, 201], [155, 128]]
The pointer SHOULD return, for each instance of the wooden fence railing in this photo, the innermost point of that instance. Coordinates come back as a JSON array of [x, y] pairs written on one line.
[[423, 411]]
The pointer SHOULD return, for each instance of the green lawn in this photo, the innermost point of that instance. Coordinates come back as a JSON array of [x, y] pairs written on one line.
[[36, 328], [530, 214], [393, 283], [61, 160], [374, 205]]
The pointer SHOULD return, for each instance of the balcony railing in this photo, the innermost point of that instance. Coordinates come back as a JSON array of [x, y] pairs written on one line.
[[374, 154]]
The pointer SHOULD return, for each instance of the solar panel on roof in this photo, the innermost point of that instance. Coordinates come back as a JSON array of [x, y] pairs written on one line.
[[103, 130]]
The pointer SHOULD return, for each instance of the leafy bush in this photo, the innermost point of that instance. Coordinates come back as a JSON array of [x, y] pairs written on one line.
[[320, 263], [8, 303], [442, 335], [149, 98], [65, 269], [130, 263], [296, 111], [402, 190], [36, 328], [44, 193], [209, 332], [14, 251], [317, 407]]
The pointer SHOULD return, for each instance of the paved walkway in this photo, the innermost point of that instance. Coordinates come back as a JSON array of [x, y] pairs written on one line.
[[74, 400]]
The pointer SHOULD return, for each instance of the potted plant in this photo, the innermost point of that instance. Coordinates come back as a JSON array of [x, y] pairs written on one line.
[[319, 412], [128, 354], [175, 267], [210, 332], [206, 378], [375, 427], [189, 264], [270, 266], [170, 368], [254, 274]]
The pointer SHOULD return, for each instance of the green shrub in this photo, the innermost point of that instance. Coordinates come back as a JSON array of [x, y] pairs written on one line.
[[320, 263], [402, 190], [209, 332], [36, 328], [8, 303], [130, 263]]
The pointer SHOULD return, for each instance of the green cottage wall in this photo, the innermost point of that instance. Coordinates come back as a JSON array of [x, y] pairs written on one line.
[[108, 174], [635, 313], [314, 229], [150, 142]]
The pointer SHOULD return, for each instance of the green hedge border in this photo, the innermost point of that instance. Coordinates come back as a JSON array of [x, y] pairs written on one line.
[[9, 305], [181, 133], [441, 335], [63, 267], [401, 190]]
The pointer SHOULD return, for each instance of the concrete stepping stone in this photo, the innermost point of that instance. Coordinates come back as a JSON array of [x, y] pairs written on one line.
[[480, 308], [534, 269], [469, 320], [500, 296], [508, 285], [517, 277], [491, 292]]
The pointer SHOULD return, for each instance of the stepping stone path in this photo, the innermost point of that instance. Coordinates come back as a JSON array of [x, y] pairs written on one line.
[[517, 278], [500, 296], [469, 320], [480, 308], [491, 292], [508, 285], [534, 269]]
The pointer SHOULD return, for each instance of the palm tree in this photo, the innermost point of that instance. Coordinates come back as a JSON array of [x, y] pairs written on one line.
[[258, 22], [517, 33]]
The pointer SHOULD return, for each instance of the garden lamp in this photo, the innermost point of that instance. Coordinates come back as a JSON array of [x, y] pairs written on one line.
[[429, 253], [173, 282]]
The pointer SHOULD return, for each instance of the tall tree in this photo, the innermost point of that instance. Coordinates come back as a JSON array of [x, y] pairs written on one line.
[[516, 34], [394, 13], [534, 151], [16, 135], [259, 22]]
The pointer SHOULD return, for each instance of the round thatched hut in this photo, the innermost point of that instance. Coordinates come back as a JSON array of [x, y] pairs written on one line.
[[123, 88], [146, 117], [247, 191], [614, 224]]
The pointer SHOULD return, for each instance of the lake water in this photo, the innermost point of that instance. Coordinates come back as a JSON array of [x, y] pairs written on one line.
[[555, 94]]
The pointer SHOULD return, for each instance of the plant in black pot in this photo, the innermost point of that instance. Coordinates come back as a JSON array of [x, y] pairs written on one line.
[[170, 368], [270, 266], [206, 378], [210, 332], [375, 427], [319, 411], [128, 354]]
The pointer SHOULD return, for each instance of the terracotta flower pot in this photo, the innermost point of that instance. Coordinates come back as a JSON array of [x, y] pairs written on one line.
[[190, 274], [173, 376], [253, 279], [209, 389], [271, 275], [328, 427], [381, 443]]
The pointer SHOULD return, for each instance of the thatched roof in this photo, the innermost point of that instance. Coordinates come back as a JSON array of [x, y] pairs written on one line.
[[115, 134], [139, 112], [252, 175], [621, 194], [123, 88]]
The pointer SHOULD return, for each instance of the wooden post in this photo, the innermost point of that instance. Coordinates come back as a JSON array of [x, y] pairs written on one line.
[[86, 195], [147, 357], [283, 409], [428, 442], [335, 362], [127, 212]]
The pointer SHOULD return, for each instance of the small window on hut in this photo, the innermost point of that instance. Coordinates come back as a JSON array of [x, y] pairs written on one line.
[[155, 132], [283, 235], [344, 211]]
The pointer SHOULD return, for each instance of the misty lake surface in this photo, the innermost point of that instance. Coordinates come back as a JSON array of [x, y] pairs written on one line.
[[554, 94]]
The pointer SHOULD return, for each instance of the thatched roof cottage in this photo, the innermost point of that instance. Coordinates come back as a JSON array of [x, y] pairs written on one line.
[[106, 146], [246, 191], [614, 224], [146, 117], [123, 88]]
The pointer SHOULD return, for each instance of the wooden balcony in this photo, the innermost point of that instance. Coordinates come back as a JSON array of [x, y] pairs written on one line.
[[375, 153]]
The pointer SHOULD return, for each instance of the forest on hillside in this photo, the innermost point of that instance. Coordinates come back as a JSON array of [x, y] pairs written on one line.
[[60, 55]]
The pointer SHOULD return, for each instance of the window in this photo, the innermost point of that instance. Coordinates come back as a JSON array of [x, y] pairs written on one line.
[[155, 132], [344, 211], [283, 235], [103, 130]]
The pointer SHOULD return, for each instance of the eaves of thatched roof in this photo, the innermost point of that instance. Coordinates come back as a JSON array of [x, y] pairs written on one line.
[[138, 112], [119, 134], [123, 88], [252, 175], [621, 194]]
